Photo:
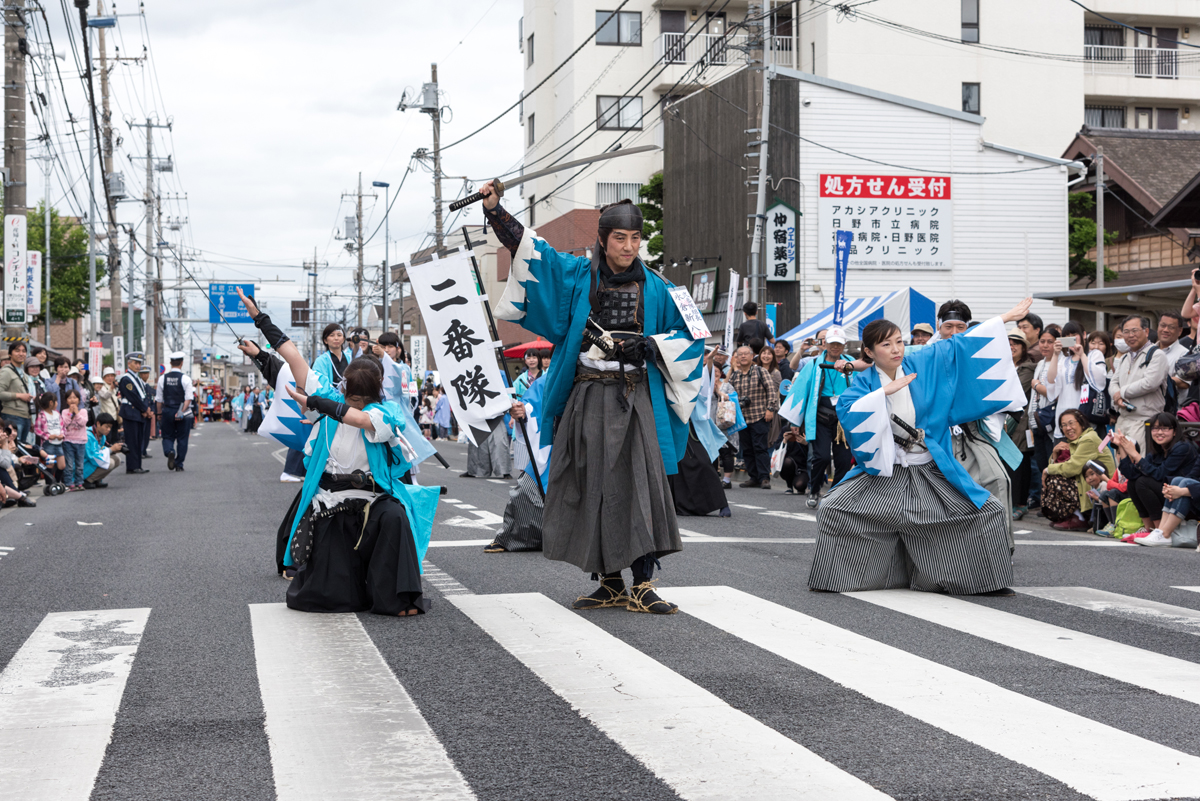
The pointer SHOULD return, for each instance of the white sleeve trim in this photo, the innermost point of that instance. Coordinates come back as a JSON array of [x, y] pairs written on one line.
[[383, 432]]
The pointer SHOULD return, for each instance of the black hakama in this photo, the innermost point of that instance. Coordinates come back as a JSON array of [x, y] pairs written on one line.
[[697, 487]]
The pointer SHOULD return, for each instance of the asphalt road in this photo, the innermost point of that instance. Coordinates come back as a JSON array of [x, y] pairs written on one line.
[[514, 696]]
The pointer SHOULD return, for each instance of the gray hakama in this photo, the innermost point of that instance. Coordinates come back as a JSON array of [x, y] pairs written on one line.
[[913, 530], [491, 458], [607, 499], [522, 517]]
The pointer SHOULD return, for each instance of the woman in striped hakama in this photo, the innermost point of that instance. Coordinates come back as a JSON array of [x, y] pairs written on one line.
[[908, 514]]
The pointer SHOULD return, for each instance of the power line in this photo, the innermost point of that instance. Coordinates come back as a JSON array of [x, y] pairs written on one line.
[[1130, 27], [542, 82]]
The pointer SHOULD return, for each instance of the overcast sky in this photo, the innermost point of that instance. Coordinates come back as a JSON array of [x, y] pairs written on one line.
[[278, 105]]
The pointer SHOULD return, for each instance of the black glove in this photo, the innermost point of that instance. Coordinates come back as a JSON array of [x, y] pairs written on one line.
[[632, 350], [275, 337], [327, 406]]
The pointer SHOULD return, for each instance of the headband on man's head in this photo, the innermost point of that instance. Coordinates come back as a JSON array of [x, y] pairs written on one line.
[[626, 216], [952, 314]]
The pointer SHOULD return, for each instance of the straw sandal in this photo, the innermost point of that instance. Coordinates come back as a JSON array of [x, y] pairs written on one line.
[[611, 592], [643, 598]]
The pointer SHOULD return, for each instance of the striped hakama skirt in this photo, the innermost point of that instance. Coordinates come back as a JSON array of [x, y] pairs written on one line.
[[911, 530], [607, 498], [522, 517]]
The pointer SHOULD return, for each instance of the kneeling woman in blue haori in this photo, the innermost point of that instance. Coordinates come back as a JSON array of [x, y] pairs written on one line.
[[909, 515], [358, 533]]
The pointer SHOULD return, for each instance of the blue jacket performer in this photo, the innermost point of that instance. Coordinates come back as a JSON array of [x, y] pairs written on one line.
[[909, 515], [615, 406]]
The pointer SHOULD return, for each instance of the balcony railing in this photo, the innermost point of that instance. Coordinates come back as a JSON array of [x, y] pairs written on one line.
[[1140, 62], [717, 50]]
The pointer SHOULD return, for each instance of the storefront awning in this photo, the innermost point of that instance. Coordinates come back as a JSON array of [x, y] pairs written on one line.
[[1123, 300], [905, 307]]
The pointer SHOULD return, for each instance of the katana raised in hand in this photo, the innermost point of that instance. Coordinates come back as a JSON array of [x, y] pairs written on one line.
[[529, 176]]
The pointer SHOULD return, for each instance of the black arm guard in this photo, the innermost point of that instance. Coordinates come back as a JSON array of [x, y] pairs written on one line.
[[328, 407], [275, 337], [507, 229], [268, 365]]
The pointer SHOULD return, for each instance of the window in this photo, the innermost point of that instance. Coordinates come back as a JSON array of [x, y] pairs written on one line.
[[970, 98], [1167, 119], [618, 113], [529, 131], [611, 192], [624, 28], [1104, 116], [532, 207], [970, 20], [1103, 43], [529, 51]]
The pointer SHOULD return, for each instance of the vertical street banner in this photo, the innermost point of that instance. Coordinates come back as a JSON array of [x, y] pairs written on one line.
[[844, 240], [899, 222], [417, 347], [33, 284], [452, 308], [15, 269], [95, 358], [118, 351], [730, 307], [779, 252]]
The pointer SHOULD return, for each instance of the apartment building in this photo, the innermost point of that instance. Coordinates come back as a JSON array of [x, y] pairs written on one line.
[[1036, 70]]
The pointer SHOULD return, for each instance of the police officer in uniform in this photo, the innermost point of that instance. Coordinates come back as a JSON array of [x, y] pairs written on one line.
[[174, 397], [135, 411], [144, 374]]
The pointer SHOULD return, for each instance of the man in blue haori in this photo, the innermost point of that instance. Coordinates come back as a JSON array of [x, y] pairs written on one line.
[[616, 405]]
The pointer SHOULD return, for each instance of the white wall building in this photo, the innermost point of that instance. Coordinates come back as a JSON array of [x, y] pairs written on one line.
[[1076, 67]]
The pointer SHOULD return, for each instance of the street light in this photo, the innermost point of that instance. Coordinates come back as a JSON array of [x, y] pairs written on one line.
[[384, 185]]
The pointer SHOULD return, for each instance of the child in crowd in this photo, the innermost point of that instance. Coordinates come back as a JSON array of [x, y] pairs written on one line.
[[75, 434], [48, 426]]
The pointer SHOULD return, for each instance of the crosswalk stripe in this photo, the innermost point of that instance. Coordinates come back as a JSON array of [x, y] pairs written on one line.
[[1176, 618], [1060, 744], [58, 701], [1157, 672], [695, 742], [338, 722], [1084, 543]]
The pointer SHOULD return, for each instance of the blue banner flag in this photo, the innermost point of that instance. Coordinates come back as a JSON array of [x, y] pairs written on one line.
[[226, 303], [844, 239]]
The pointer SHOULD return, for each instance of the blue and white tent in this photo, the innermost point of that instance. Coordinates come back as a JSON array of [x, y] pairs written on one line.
[[905, 307]]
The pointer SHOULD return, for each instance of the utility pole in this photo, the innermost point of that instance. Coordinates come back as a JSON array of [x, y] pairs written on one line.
[[153, 279], [427, 103], [129, 348], [114, 246], [1099, 230], [357, 244], [14, 106], [754, 282]]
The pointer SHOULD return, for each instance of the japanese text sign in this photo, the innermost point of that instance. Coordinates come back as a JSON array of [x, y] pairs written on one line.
[[844, 240], [33, 283], [898, 222], [691, 315], [779, 251], [730, 306], [226, 303], [451, 307], [15, 269]]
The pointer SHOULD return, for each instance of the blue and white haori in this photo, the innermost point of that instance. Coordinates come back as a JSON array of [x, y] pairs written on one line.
[[959, 380], [548, 294], [800, 405]]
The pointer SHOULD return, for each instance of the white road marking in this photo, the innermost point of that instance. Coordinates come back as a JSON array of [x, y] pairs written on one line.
[[1189, 589], [1176, 618], [81, 523], [7, 548], [451, 500], [58, 701], [1085, 543], [357, 733], [442, 581], [746, 506], [281, 455], [482, 519], [500, 480], [1162, 674], [792, 516], [702, 538], [1058, 743], [459, 543], [465, 506], [683, 532], [692, 740], [1023, 531]]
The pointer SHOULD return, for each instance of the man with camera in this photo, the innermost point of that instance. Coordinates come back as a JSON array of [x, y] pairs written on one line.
[[1138, 387]]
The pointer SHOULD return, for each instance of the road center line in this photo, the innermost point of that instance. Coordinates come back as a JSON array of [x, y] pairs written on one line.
[[338, 722], [692, 740]]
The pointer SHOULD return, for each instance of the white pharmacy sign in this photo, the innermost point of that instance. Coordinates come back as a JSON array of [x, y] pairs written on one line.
[[899, 222], [33, 284], [15, 270], [779, 251], [452, 308]]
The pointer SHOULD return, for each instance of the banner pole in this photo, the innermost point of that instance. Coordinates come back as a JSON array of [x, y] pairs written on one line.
[[487, 307]]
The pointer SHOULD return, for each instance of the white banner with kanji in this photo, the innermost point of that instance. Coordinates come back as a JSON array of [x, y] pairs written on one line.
[[463, 348], [899, 222]]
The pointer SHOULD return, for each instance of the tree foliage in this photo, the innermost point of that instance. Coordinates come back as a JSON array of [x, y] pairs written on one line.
[[1081, 211], [68, 264], [652, 213]]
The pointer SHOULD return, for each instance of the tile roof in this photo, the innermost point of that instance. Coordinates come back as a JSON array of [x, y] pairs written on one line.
[[1161, 162]]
